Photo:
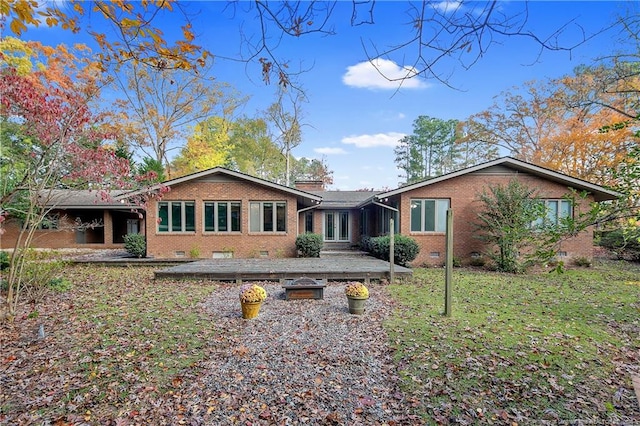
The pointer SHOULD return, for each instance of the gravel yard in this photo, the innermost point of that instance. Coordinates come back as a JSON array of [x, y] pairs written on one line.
[[303, 361]]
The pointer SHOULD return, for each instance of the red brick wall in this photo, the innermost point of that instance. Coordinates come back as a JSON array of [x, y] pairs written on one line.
[[243, 244], [63, 237], [463, 192]]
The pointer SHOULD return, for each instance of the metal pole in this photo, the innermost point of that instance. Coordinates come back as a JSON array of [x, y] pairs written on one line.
[[448, 264], [391, 251]]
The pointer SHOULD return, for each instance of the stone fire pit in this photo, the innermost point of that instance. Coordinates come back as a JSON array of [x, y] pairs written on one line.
[[304, 288]]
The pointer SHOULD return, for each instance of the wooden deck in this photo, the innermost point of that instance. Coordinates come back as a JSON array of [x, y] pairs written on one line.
[[361, 268]]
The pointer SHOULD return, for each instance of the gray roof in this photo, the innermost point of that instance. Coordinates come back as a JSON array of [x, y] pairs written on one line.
[[82, 199], [343, 199]]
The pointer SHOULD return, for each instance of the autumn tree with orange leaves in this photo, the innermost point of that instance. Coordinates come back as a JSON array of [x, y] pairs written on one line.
[[536, 124]]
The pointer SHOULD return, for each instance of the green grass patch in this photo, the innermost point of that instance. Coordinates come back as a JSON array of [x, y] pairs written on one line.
[[520, 347]]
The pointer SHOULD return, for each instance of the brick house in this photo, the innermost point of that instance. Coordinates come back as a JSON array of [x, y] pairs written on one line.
[[79, 219], [223, 213]]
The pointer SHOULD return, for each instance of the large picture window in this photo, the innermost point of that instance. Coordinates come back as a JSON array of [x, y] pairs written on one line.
[[177, 216], [429, 215], [222, 216], [267, 216]]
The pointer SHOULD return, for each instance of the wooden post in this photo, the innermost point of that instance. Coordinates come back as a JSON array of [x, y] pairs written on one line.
[[391, 252], [448, 264]]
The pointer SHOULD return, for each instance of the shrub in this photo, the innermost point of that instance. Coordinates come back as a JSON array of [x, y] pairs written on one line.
[[40, 271], [584, 262], [60, 285], [309, 245], [624, 243], [135, 245], [405, 250], [365, 243], [4, 260]]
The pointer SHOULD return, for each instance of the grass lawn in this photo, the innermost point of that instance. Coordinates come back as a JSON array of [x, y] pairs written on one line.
[[521, 348], [517, 349]]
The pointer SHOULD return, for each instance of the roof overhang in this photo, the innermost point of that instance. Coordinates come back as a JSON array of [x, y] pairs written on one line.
[[303, 197], [599, 193]]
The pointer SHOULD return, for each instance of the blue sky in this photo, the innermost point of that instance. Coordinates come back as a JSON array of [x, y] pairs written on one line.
[[354, 117]]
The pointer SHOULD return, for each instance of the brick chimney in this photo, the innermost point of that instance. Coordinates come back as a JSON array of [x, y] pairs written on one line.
[[309, 185]]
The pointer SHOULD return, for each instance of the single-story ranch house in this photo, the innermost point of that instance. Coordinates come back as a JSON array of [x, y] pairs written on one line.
[[223, 213]]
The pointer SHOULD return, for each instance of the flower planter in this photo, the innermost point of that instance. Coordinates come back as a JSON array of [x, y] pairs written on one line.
[[356, 304], [250, 309]]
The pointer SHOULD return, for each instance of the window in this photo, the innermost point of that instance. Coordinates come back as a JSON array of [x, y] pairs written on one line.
[[429, 215], [177, 216], [384, 220], [267, 216], [222, 216], [555, 211], [308, 221]]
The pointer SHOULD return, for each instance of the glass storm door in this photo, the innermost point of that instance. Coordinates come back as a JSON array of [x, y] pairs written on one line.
[[336, 226]]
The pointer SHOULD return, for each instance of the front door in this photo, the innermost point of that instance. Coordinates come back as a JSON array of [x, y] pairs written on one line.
[[336, 226]]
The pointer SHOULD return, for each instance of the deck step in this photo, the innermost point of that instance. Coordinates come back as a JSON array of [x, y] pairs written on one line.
[[343, 253]]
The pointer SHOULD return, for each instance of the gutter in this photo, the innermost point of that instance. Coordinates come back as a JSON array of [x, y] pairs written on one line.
[[298, 216], [385, 206]]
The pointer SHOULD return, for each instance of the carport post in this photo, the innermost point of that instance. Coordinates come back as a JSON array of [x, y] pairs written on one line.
[[448, 264]]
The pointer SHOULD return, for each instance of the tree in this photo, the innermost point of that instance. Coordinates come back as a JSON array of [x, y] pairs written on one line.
[[159, 105], [209, 146], [133, 39], [254, 152], [430, 151], [514, 225], [546, 124], [438, 35], [48, 124], [285, 115], [311, 169], [149, 166]]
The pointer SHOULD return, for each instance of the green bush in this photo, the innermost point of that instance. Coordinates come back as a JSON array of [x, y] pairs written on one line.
[[405, 249], [624, 243], [40, 275], [583, 262], [60, 285], [135, 245], [4, 260], [309, 245]]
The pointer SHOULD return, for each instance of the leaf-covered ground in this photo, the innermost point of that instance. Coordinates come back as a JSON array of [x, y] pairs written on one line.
[[121, 348], [522, 349], [124, 349]]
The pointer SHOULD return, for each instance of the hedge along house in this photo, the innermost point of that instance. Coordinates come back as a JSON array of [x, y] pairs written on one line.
[[420, 209], [79, 219]]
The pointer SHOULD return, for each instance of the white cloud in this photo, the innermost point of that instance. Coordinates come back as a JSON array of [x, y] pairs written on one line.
[[366, 75], [330, 151], [370, 141], [447, 6]]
